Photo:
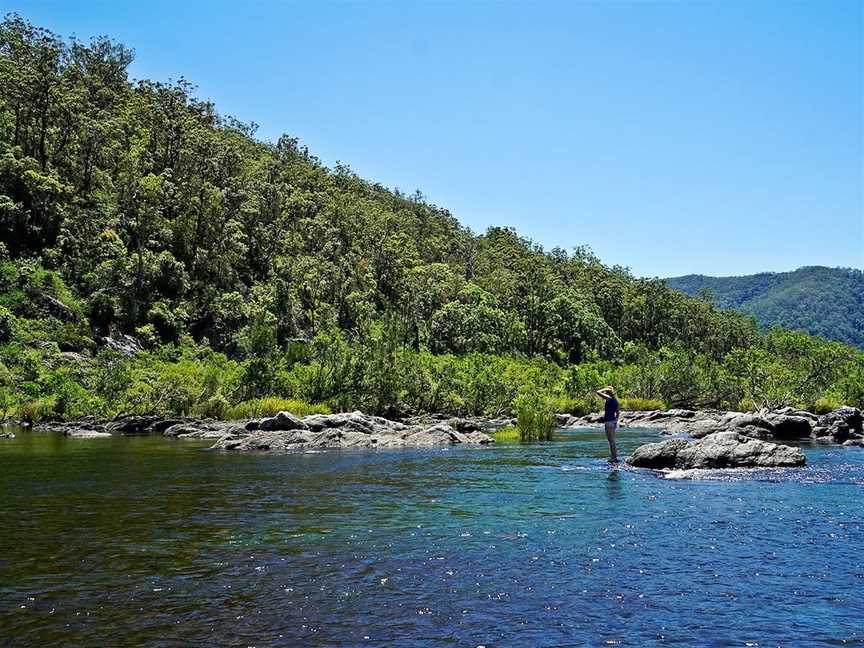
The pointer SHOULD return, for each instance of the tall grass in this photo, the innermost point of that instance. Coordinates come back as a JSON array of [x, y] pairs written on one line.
[[535, 416], [38, 409], [642, 404], [506, 433], [271, 405]]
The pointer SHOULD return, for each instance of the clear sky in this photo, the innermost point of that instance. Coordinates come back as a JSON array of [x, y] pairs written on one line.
[[716, 137]]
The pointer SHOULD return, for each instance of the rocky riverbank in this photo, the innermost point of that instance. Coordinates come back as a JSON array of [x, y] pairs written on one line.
[[842, 426], [286, 432]]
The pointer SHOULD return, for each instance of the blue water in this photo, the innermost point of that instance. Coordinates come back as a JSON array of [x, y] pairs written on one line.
[[130, 541]]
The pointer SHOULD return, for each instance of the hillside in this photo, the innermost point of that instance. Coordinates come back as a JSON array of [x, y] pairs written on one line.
[[821, 301], [244, 269]]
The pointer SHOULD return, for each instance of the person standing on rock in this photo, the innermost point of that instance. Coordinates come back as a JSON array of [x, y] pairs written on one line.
[[611, 415]]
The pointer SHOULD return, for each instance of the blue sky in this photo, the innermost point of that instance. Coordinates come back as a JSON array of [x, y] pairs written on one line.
[[717, 137]]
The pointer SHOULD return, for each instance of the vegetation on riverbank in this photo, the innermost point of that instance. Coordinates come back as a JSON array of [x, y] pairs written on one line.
[[250, 271], [821, 301]]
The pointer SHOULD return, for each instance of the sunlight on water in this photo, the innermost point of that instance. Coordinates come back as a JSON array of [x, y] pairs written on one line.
[[142, 540]]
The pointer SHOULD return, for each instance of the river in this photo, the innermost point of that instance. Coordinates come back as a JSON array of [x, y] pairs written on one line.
[[131, 541]]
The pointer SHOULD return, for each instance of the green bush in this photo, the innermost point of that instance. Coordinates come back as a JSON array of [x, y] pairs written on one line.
[[214, 407], [6, 325], [534, 416], [825, 405], [575, 406]]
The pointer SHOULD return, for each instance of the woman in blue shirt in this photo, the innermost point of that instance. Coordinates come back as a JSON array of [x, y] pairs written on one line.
[[611, 415]]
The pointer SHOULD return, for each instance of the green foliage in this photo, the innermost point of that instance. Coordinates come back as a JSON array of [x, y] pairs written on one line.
[[825, 405], [272, 405], [535, 416], [575, 406], [507, 434], [6, 325], [821, 301], [251, 271], [642, 404]]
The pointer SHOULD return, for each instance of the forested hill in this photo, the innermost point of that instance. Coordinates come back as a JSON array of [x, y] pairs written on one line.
[[168, 219], [821, 301], [245, 269]]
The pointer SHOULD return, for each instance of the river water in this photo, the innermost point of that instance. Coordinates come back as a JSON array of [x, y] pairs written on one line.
[[130, 541]]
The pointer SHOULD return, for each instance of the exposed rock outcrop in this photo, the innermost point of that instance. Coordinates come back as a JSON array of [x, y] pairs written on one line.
[[350, 430], [718, 450], [125, 344], [840, 426], [786, 424]]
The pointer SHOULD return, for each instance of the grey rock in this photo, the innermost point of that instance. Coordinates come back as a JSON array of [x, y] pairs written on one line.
[[159, 426], [7, 435], [354, 430], [74, 358], [701, 428], [125, 344], [86, 434], [718, 450], [132, 424], [790, 426], [849, 416], [55, 308], [282, 421]]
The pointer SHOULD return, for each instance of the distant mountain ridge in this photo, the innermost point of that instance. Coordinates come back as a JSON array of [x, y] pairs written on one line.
[[821, 301]]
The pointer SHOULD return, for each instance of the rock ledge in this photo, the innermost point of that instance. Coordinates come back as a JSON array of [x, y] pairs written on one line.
[[718, 450]]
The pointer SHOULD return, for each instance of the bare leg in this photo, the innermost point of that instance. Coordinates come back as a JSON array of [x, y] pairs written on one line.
[[610, 437]]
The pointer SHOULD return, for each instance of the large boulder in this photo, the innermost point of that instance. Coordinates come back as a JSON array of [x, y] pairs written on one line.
[[790, 426], [123, 344], [718, 450], [751, 425], [848, 416], [132, 424], [282, 421], [55, 308]]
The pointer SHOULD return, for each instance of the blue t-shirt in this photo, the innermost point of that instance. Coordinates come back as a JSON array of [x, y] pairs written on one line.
[[611, 408]]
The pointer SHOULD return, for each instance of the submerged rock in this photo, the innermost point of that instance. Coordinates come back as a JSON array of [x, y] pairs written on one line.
[[73, 433], [718, 450]]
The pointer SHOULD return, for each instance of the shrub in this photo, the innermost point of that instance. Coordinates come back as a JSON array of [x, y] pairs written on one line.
[[6, 328], [214, 407], [534, 416], [825, 405], [270, 405], [574, 406], [642, 404], [747, 405], [38, 409]]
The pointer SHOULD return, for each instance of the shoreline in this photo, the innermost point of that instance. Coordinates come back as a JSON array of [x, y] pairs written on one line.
[[286, 432]]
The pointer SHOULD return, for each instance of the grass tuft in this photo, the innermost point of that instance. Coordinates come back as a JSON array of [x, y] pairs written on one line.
[[271, 405]]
